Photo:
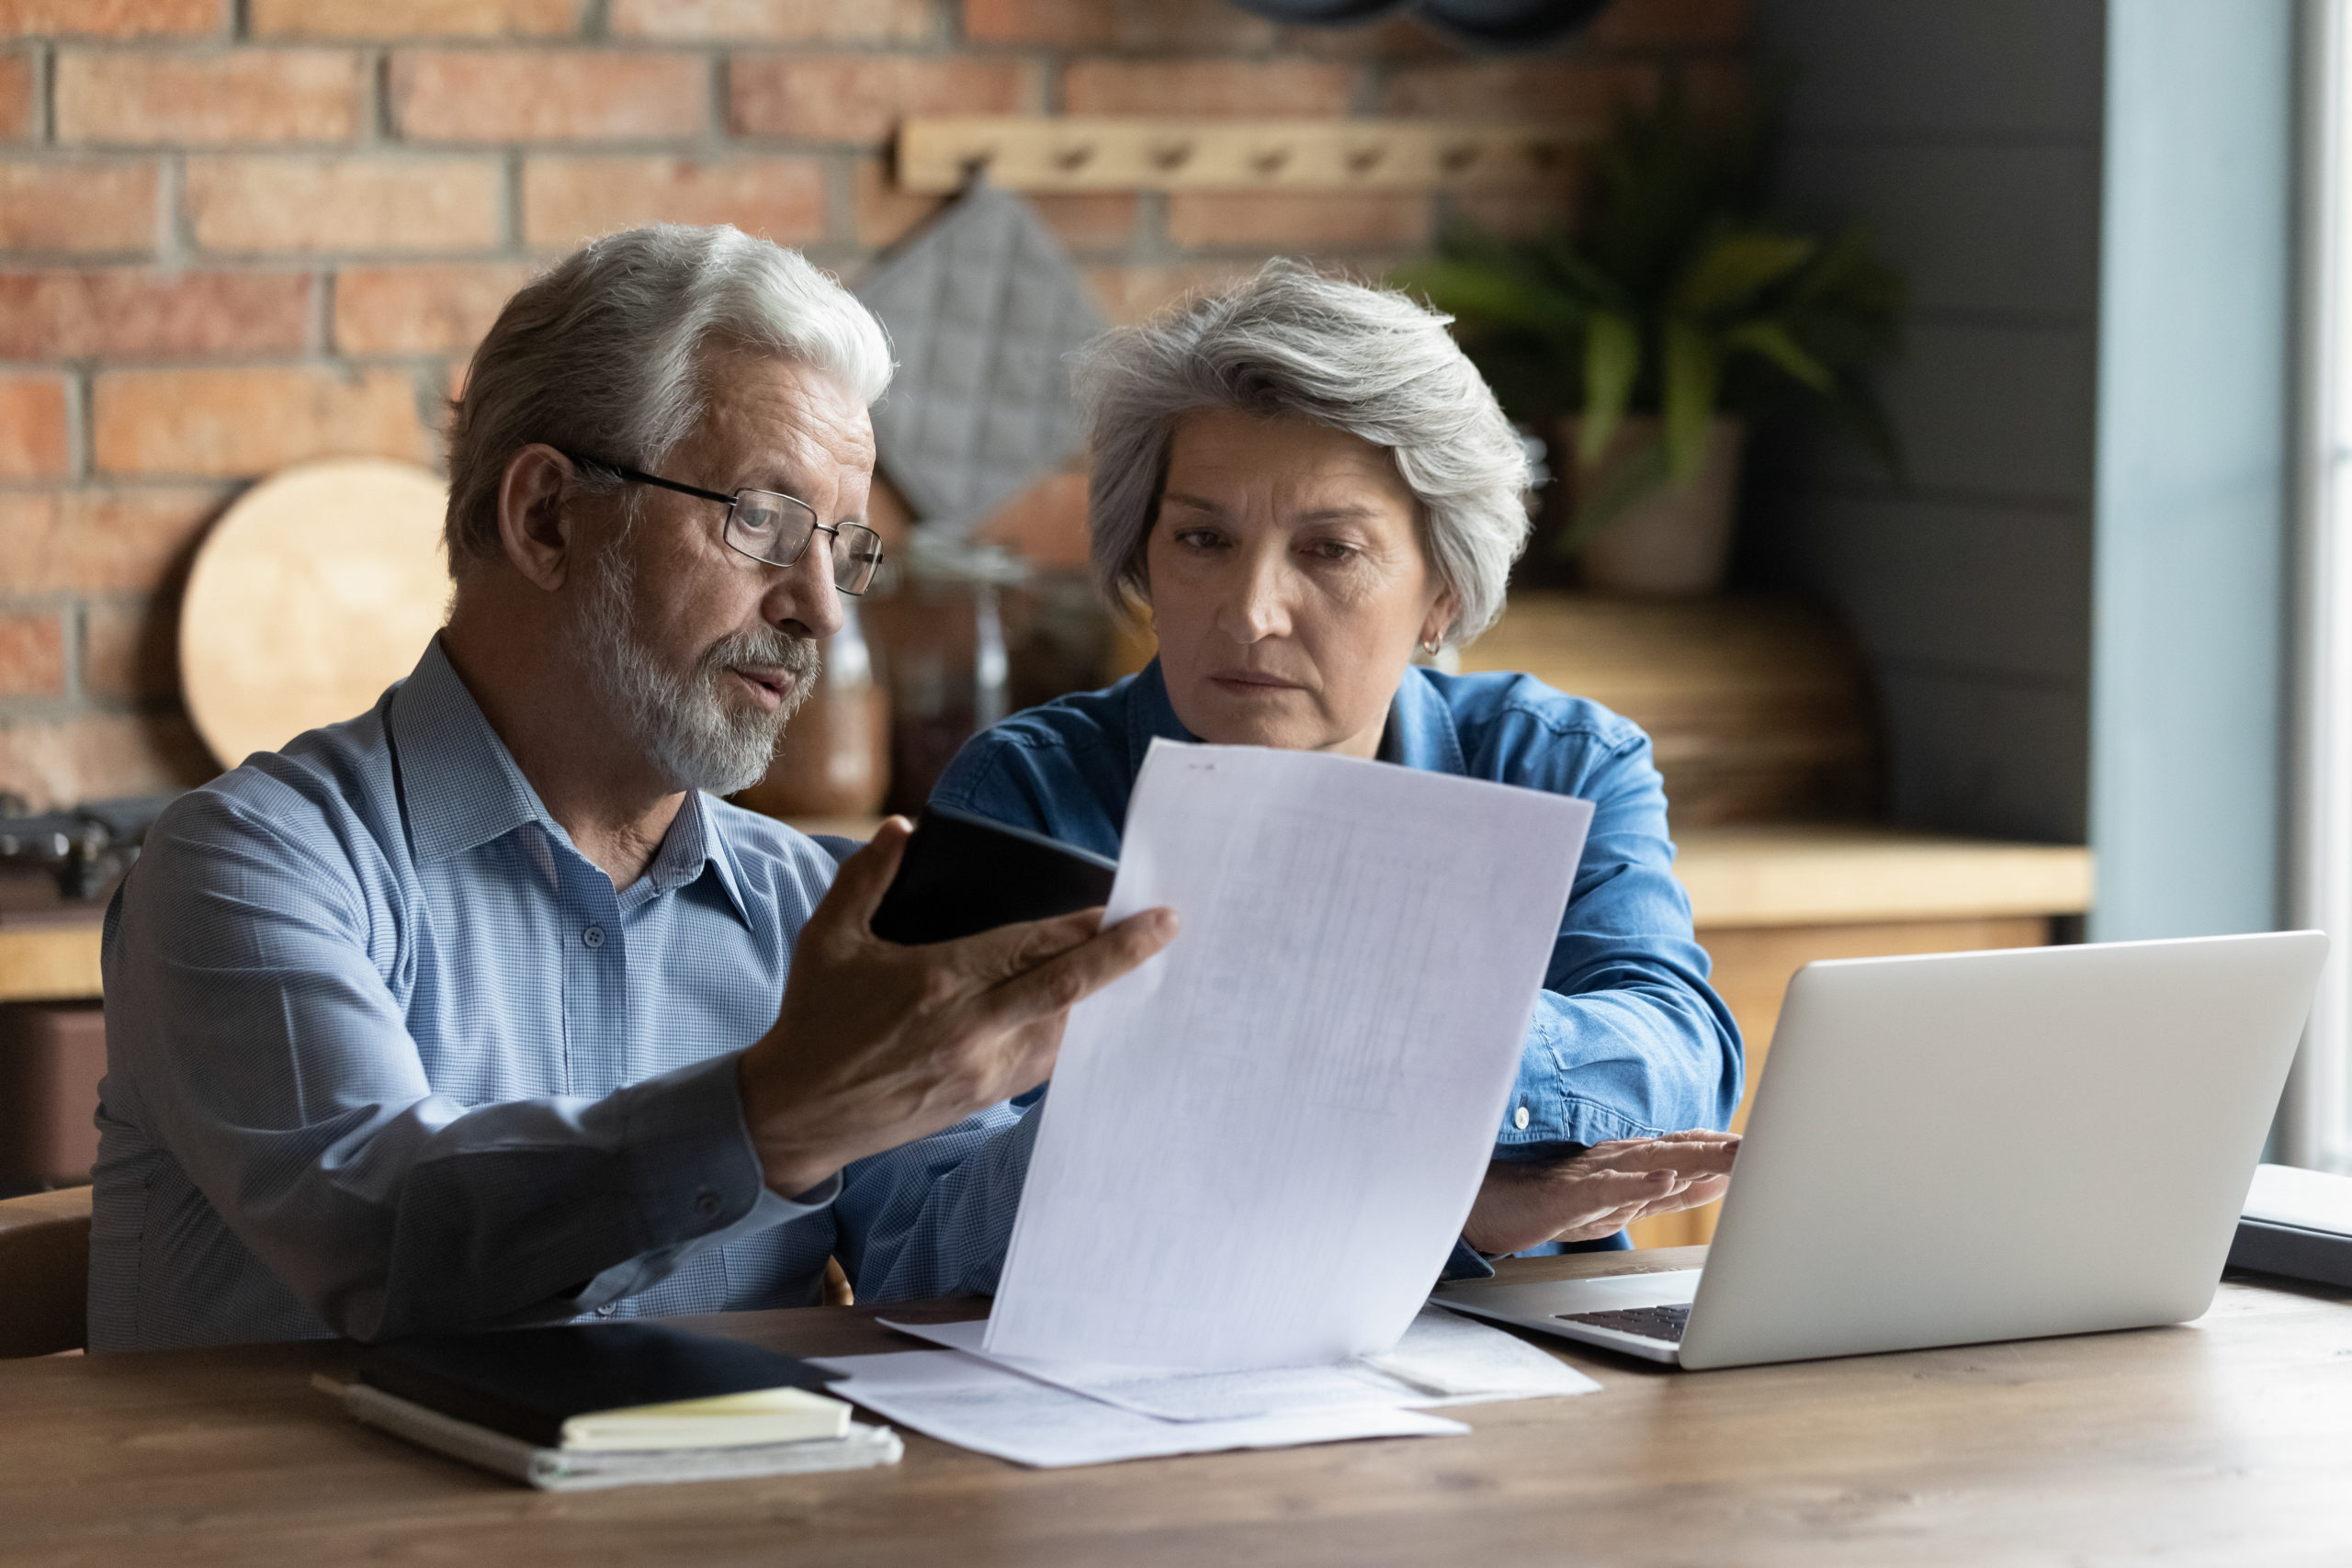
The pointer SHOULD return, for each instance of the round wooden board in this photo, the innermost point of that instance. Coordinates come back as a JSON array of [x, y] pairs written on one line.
[[319, 587]]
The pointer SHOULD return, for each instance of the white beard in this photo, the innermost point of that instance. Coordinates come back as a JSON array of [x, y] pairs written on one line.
[[681, 722]]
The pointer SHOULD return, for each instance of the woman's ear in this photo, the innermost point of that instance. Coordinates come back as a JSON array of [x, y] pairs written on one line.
[[533, 530], [1440, 618]]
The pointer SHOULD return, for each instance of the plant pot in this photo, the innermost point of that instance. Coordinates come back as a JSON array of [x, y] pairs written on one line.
[[1674, 542]]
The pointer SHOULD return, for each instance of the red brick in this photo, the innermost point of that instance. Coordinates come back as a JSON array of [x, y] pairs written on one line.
[[777, 21], [133, 311], [419, 309], [130, 651], [407, 205], [58, 762], [1082, 220], [1670, 24], [17, 97], [1130, 293], [863, 97], [547, 94], [1116, 24], [32, 654], [1221, 219], [1518, 214], [1228, 89], [399, 19], [99, 541], [1396, 37], [250, 96], [86, 206], [250, 420], [32, 426], [566, 200], [1534, 89], [113, 19]]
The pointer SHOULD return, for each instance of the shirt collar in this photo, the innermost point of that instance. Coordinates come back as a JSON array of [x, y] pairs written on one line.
[[460, 788], [459, 785], [1421, 732], [1151, 716]]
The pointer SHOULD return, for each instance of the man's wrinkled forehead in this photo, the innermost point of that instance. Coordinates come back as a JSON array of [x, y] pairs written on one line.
[[783, 424]]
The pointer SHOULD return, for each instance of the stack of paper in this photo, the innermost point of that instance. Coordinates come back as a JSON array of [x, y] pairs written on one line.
[[1060, 1413], [1261, 1146]]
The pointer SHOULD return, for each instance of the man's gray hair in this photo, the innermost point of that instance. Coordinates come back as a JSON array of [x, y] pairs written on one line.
[[601, 355], [1290, 341]]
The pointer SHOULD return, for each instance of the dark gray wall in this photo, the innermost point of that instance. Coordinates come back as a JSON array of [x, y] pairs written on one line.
[[1967, 134]]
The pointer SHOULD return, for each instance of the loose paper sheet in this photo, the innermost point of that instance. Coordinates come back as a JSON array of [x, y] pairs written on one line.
[[978, 1406], [1262, 1144], [1443, 1360]]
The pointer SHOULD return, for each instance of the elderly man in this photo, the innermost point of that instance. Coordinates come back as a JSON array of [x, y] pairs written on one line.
[[478, 1008]]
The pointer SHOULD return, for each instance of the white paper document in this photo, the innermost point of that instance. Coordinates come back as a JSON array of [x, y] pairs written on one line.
[[1260, 1145], [1441, 1359], [978, 1406]]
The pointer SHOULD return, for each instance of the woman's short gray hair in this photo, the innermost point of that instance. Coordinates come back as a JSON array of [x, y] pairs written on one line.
[[1290, 341], [600, 355]]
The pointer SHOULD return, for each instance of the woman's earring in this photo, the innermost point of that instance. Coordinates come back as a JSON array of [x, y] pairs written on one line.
[[1430, 646]]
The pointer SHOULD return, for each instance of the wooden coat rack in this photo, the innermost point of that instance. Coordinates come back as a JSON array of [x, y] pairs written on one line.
[[1049, 153]]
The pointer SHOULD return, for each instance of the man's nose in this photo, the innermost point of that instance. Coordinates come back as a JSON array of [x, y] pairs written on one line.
[[804, 593]]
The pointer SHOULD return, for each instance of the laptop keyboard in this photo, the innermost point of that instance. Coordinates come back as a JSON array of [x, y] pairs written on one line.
[[1662, 1323]]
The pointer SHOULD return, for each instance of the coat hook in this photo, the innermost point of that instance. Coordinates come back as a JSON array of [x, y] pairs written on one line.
[[1459, 156], [1269, 161], [1071, 159], [1363, 160], [1172, 155], [1546, 155]]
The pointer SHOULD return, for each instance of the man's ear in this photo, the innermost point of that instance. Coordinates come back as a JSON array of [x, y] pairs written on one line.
[[535, 529]]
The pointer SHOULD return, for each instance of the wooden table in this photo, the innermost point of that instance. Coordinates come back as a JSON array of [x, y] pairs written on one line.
[[2228, 1441]]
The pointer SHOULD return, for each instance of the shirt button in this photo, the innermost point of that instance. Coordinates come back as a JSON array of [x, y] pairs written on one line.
[[1519, 1117], [593, 936], [707, 1203]]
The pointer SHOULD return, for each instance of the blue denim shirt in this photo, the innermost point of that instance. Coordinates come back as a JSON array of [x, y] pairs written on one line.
[[387, 1053], [1628, 1040]]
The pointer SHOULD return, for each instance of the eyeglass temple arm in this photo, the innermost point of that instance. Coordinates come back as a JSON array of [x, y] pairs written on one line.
[[635, 477]]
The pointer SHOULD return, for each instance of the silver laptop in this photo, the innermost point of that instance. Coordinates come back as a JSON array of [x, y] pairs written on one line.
[[1968, 1147]]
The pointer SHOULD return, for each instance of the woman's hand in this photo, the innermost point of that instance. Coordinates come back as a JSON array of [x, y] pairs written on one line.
[[1599, 1191]]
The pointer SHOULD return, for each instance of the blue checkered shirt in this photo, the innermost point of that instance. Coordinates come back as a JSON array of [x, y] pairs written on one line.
[[386, 1054]]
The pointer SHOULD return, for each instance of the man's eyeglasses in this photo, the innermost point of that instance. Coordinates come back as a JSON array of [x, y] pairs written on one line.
[[775, 528]]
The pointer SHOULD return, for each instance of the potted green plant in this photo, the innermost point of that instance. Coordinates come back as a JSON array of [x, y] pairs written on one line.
[[1684, 307]]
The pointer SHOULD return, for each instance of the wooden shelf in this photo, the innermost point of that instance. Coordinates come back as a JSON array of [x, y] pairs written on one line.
[[1775, 876], [51, 960]]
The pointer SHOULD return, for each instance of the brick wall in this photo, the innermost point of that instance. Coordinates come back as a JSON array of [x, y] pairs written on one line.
[[237, 233]]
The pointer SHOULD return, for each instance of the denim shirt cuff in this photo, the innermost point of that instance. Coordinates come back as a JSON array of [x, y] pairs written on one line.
[[1466, 1263]]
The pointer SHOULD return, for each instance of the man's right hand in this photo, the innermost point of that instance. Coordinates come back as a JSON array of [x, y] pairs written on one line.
[[879, 1044]]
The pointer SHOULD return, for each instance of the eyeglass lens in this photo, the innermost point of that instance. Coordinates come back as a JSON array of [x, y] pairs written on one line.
[[777, 529]]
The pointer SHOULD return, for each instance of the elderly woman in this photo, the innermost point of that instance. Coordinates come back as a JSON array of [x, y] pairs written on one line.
[[1306, 481]]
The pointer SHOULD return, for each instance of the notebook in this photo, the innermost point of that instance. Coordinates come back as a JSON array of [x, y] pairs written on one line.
[[632, 1386]]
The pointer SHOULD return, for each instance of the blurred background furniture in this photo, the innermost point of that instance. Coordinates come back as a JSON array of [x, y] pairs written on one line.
[[44, 1272]]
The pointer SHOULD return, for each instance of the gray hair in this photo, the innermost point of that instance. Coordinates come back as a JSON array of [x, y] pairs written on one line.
[[1290, 341], [601, 355]]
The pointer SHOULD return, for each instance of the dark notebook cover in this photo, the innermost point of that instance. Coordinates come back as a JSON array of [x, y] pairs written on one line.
[[2324, 1257], [526, 1383], [962, 874]]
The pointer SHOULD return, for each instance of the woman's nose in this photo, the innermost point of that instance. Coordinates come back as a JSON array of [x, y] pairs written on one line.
[[1258, 605]]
